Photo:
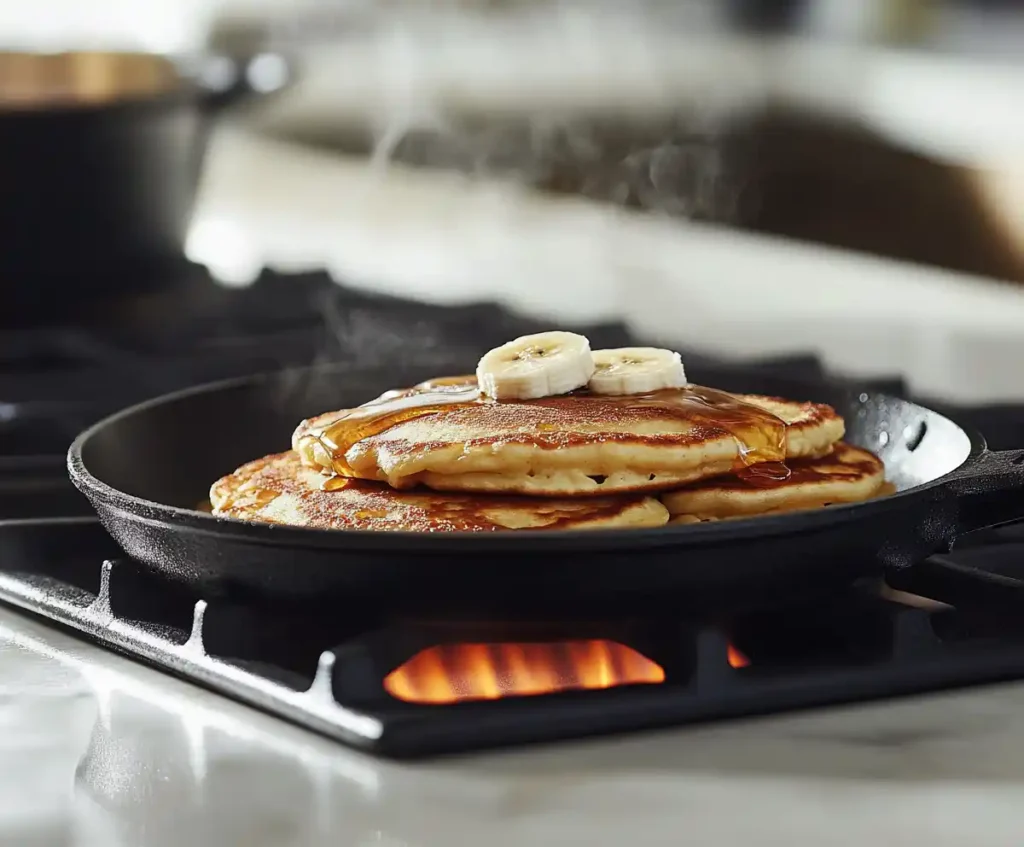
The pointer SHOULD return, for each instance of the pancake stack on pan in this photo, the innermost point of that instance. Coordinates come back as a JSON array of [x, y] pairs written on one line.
[[551, 435]]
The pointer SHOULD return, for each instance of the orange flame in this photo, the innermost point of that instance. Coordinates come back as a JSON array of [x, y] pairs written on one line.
[[736, 658], [451, 673]]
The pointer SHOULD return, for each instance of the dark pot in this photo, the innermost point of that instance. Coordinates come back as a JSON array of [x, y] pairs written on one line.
[[100, 156]]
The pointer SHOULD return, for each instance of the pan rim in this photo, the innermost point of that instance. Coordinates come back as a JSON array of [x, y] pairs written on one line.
[[157, 514]]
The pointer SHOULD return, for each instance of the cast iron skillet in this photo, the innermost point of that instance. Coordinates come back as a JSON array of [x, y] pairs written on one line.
[[145, 469]]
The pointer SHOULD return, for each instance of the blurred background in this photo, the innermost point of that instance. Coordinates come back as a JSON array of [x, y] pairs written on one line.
[[825, 178]]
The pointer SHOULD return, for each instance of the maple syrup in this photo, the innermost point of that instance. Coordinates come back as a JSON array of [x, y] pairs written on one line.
[[391, 409], [759, 435]]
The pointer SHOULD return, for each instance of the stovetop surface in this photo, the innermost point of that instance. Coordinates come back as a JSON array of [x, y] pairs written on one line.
[[323, 666], [100, 751], [96, 749], [326, 675]]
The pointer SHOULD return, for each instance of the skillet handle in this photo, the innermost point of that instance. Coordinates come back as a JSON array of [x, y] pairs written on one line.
[[989, 490], [981, 593]]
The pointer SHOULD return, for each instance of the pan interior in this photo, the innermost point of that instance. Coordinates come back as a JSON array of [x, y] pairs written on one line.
[[169, 452]]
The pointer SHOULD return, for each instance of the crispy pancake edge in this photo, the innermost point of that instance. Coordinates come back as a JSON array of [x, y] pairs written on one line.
[[858, 475], [278, 489]]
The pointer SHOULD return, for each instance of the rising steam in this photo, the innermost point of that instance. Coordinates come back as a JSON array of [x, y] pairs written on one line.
[[674, 166]]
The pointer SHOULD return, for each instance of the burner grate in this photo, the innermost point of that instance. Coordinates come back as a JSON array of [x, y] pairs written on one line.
[[52, 568]]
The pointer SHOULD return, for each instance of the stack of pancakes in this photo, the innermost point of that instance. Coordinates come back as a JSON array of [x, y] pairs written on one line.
[[442, 456]]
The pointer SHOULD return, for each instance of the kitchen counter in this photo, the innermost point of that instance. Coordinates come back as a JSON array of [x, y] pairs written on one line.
[[97, 750]]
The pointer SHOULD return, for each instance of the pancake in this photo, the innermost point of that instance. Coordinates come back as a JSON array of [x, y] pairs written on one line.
[[445, 436], [848, 475], [278, 489]]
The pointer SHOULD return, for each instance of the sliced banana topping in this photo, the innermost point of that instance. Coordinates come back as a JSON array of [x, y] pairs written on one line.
[[636, 370], [534, 366]]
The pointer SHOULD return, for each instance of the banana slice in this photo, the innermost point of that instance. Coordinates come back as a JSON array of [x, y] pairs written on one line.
[[534, 366], [636, 370]]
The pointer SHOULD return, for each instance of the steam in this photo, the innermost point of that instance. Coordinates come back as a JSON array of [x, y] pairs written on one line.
[[367, 345], [571, 98], [429, 110], [566, 96], [675, 166], [366, 337]]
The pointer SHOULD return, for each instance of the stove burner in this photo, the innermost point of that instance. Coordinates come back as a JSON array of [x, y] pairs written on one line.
[[467, 671], [407, 688], [853, 647]]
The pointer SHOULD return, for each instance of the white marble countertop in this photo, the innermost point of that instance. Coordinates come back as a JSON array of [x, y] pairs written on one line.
[[100, 752]]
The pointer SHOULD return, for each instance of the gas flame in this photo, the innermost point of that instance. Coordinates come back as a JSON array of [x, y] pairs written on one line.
[[451, 673], [736, 658]]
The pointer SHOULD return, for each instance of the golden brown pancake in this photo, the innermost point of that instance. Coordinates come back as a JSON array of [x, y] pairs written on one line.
[[848, 475], [445, 436], [279, 489]]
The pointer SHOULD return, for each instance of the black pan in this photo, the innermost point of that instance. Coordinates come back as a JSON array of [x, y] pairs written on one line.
[[145, 469], [100, 157]]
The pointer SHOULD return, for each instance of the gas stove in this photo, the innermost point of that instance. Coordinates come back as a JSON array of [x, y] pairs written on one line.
[[401, 687]]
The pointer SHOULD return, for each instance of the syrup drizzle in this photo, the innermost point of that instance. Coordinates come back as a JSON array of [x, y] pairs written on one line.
[[391, 409], [759, 435]]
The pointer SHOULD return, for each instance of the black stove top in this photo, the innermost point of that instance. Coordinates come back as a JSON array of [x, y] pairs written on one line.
[[335, 670], [342, 671]]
